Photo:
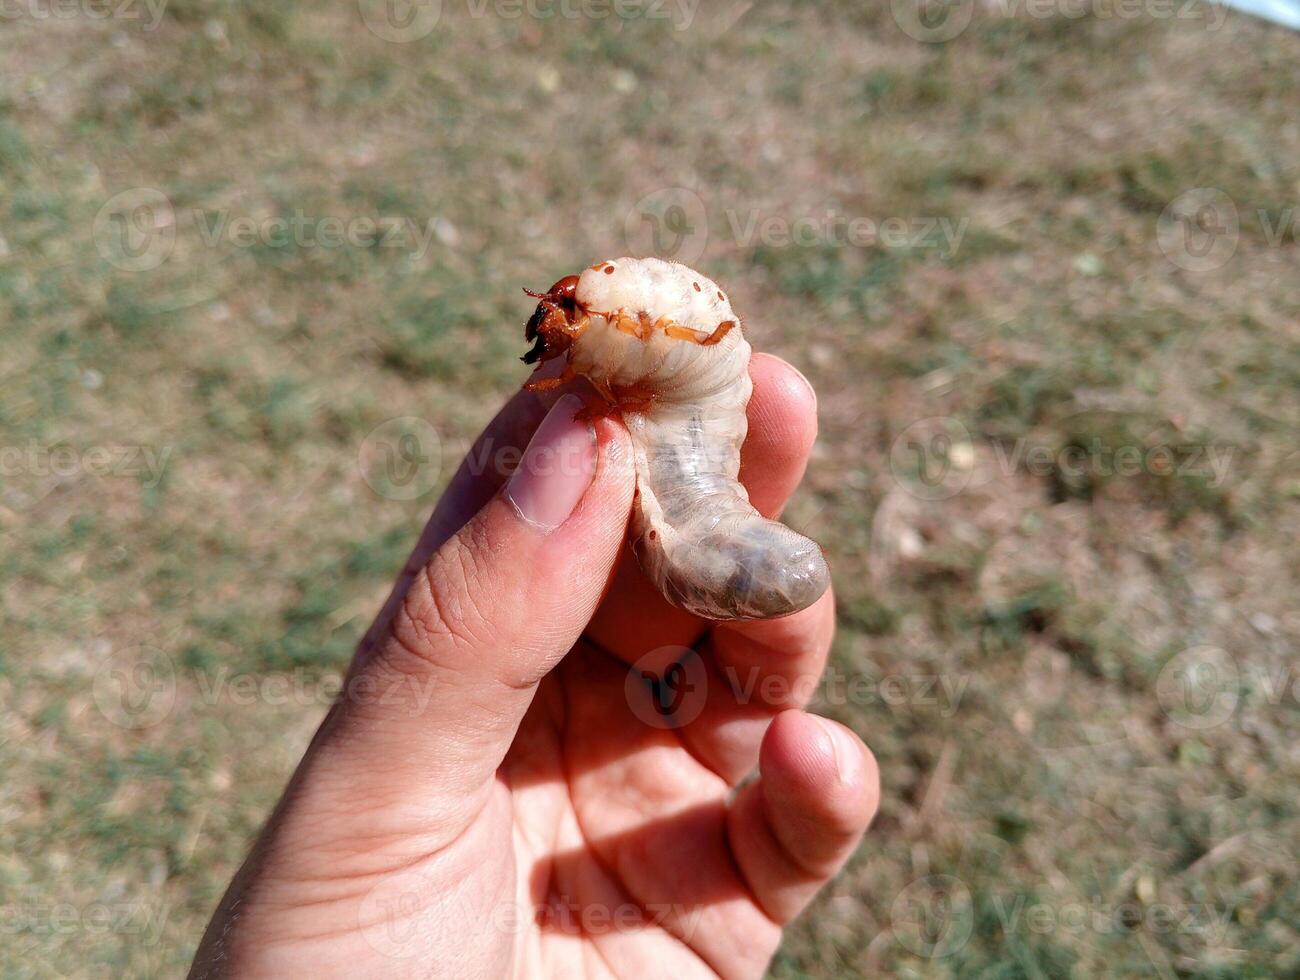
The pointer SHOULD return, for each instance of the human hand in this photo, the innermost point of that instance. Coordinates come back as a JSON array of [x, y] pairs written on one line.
[[498, 793]]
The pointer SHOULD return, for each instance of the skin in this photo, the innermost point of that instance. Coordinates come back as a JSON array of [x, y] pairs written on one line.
[[492, 796]]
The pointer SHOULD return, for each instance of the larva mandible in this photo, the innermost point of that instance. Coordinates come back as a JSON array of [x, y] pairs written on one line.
[[662, 345]]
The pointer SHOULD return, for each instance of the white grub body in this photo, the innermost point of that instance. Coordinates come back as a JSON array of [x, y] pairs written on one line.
[[695, 533]]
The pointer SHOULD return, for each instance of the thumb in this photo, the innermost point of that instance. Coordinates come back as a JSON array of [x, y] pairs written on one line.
[[439, 698]]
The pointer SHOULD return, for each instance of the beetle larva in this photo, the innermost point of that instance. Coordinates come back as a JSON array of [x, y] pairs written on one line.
[[661, 344]]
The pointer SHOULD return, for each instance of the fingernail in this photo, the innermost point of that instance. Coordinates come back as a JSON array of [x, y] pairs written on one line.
[[556, 469], [848, 757]]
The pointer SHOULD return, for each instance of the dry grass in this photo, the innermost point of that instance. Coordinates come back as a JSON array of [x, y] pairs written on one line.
[[1021, 626]]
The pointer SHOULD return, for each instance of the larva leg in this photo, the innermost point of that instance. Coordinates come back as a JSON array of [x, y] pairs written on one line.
[[639, 327], [719, 332], [603, 390], [617, 402], [686, 333], [547, 384], [604, 405]]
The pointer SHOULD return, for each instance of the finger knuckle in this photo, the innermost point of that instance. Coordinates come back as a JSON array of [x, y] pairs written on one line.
[[440, 615]]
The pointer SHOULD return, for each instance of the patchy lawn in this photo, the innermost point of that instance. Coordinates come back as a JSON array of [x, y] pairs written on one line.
[[1043, 275]]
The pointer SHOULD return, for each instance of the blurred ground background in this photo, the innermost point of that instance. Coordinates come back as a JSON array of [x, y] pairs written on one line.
[[1057, 475]]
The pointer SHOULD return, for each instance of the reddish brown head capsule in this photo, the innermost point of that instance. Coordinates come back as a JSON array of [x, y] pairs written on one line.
[[564, 290], [556, 311]]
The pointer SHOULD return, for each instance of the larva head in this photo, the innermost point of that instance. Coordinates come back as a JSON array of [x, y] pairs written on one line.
[[549, 326]]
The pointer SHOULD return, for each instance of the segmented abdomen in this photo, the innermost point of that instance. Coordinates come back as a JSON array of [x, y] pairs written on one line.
[[696, 535]]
